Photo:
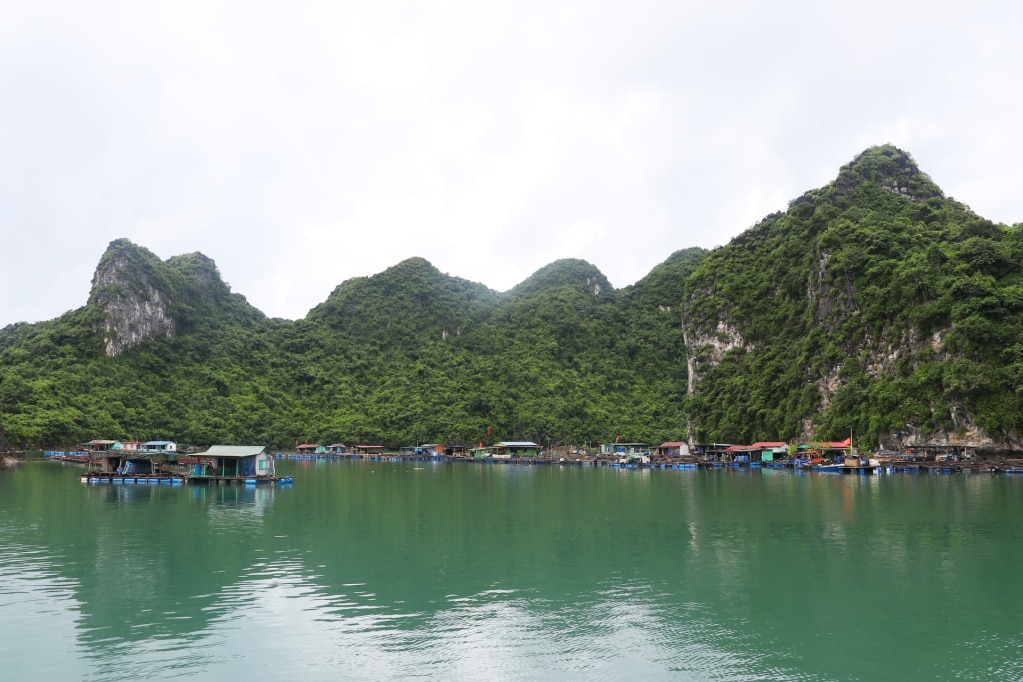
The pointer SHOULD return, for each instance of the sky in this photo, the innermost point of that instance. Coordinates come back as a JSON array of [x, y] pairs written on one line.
[[299, 144]]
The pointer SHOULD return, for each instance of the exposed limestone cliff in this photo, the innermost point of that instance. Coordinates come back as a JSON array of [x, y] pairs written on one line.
[[136, 297], [133, 307]]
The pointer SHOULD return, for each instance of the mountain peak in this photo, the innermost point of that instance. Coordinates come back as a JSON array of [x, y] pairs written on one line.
[[130, 291], [890, 167], [572, 272], [141, 298]]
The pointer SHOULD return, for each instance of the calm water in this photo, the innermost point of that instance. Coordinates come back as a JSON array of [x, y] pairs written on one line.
[[381, 571]]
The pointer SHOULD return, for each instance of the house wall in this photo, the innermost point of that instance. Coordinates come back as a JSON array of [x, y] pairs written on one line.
[[265, 464]]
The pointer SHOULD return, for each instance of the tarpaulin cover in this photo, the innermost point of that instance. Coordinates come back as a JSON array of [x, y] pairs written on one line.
[[247, 466], [137, 467]]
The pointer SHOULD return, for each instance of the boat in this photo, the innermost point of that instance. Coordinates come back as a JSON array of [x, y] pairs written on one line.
[[851, 465]]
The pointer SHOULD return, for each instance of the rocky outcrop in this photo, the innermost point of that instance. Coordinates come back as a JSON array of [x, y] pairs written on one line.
[[705, 349], [132, 307]]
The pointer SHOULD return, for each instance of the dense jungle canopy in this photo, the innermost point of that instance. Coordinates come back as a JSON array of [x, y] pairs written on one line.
[[874, 304]]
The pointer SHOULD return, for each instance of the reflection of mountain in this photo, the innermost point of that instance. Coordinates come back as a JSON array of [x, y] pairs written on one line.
[[146, 561], [393, 561]]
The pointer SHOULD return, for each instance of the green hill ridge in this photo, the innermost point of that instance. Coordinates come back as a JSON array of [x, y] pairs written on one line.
[[873, 305]]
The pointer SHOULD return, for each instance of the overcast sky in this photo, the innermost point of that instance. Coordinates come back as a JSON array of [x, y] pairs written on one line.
[[299, 144]]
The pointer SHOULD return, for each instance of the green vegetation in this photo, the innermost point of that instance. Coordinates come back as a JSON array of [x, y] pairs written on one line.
[[410, 355], [906, 302], [873, 304]]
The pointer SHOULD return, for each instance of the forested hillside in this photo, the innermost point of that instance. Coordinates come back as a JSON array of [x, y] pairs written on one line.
[[874, 305], [164, 349]]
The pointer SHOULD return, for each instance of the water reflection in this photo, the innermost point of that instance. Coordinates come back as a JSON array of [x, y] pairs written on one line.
[[475, 572], [624, 631]]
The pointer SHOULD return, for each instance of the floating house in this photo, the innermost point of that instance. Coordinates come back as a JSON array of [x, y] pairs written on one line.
[[673, 449], [456, 450], [768, 451], [104, 445], [763, 451], [625, 449], [833, 450], [515, 448], [232, 462], [132, 457], [428, 450], [310, 449], [712, 451], [737, 453], [368, 449], [336, 449]]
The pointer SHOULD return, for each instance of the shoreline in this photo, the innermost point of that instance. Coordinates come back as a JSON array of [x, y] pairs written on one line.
[[883, 466]]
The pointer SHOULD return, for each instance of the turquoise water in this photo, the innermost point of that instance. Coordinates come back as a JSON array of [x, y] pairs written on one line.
[[380, 571]]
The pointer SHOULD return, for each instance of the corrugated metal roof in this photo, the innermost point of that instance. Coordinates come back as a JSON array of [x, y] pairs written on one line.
[[516, 444], [233, 451], [673, 444]]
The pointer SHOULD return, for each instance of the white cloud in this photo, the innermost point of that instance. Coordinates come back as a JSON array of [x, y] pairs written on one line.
[[302, 144]]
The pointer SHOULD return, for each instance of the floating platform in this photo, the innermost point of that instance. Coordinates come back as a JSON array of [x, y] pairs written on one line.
[[164, 479], [240, 480], [861, 469], [132, 479]]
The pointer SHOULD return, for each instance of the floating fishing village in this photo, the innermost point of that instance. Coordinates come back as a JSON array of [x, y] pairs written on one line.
[[162, 462], [156, 462]]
